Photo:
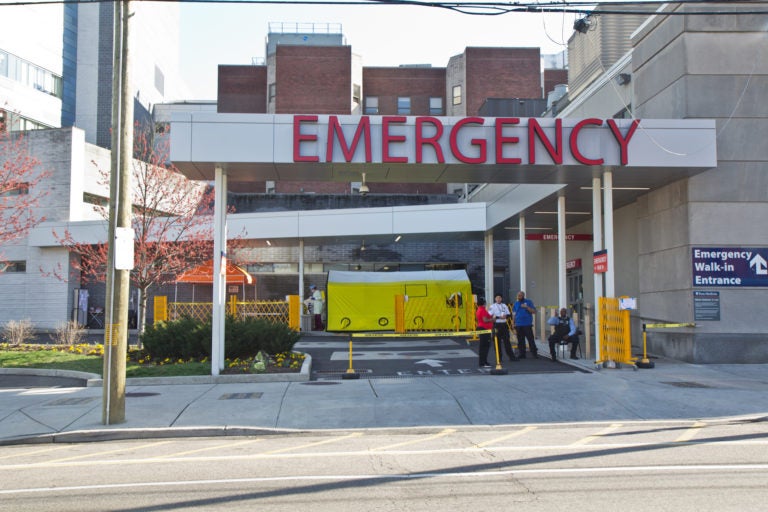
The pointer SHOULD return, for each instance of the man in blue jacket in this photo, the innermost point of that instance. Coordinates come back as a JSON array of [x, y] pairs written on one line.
[[524, 311]]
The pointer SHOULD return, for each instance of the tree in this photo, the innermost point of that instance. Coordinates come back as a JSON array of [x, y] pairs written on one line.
[[172, 223], [19, 195]]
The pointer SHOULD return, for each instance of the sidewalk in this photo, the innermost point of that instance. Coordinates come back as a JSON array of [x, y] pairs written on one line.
[[191, 407]]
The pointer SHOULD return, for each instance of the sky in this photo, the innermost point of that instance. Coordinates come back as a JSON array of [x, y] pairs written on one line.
[[213, 34]]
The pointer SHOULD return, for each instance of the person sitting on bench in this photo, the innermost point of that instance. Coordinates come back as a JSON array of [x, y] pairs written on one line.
[[565, 332]]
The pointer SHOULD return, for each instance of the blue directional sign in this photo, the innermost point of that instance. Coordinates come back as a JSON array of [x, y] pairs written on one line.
[[730, 266]]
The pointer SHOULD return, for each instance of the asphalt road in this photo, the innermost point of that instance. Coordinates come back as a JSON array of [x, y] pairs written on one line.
[[689, 465], [410, 357]]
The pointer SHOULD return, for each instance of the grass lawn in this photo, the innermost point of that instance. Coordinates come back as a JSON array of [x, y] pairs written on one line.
[[89, 358]]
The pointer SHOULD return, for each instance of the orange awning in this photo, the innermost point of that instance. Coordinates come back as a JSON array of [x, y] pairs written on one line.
[[204, 274]]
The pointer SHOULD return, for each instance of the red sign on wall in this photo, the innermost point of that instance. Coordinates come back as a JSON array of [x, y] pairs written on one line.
[[600, 261], [573, 264], [552, 237]]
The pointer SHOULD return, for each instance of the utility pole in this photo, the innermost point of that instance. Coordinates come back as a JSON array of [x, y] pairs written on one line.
[[118, 266]]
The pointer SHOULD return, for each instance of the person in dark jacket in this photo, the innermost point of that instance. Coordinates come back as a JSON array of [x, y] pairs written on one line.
[[565, 330]]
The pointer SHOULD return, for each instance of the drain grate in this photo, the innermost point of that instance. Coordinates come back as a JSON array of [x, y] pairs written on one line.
[[73, 401], [241, 396], [687, 384], [140, 394], [320, 383]]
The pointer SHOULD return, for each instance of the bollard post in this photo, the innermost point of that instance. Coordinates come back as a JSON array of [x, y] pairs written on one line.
[[498, 370], [350, 374], [645, 362]]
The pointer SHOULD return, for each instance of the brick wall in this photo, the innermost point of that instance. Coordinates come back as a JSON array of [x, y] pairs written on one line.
[[419, 84], [501, 73], [553, 77], [242, 89], [313, 79]]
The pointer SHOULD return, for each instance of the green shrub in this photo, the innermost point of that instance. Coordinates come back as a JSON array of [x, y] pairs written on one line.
[[187, 338]]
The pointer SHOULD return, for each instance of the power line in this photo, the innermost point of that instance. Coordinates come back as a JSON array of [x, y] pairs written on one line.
[[472, 8]]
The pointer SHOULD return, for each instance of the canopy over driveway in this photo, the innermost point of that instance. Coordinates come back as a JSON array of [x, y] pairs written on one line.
[[563, 153]]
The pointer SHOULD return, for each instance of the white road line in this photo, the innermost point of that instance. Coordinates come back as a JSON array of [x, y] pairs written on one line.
[[401, 476]]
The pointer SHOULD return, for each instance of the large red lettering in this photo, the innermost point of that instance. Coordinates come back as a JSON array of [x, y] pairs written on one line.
[[556, 151], [623, 140], [433, 141], [501, 122], [387, 139], [480, 143], [299, 137], [574, 142], [334, 128]]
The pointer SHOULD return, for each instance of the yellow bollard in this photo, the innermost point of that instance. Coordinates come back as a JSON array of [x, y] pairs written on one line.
[[350, 374], [498, 370], [645, 362]]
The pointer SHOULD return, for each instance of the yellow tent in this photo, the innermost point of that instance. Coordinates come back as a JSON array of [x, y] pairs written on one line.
[[365, 301]]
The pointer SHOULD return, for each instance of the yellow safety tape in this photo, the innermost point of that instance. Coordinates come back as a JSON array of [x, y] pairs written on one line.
[[416, 334], [657, 326]]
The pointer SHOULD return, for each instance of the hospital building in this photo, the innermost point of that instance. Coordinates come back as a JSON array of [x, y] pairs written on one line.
[[635, 168]]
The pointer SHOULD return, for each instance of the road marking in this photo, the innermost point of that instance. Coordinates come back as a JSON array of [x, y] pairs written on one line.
[[208, 448], [606, 430], [123, 449], [691, 432], [327, 441], [399, 476], [504, 438], [416, 354], [34, 452], [359, 344], [415, 441]]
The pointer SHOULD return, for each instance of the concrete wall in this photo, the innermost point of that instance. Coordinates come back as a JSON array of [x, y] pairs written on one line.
[[705, 67]]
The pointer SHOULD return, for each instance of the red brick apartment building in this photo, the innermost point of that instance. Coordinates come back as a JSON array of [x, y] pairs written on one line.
[[317, 73]]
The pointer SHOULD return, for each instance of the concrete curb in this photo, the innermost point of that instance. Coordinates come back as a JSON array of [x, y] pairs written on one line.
[[95, 380]]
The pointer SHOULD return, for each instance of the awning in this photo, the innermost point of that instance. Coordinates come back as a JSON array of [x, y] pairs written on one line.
[[204, 274]]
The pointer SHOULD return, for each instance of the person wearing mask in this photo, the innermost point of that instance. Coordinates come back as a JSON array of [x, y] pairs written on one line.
[[524, 311], [316, 305], [500, 313], [565, 330]]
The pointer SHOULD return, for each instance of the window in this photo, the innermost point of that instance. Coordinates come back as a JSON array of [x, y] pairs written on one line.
[[162, 127], [371, 105], [457, 95], [403, 105], [436, 106], [272, 91], [356, 93], [13, 266]]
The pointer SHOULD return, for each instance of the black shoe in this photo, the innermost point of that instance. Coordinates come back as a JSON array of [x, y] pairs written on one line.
[[554, 358], [573, 356], [485, 365], [535, 355], [521, 356]]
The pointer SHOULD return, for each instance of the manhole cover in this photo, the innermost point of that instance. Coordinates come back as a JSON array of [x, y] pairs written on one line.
[[687, 384], [241, 396], [140, 394]]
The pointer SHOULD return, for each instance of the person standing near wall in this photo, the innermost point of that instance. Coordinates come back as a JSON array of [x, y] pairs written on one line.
[[316, 304], [524, 311]]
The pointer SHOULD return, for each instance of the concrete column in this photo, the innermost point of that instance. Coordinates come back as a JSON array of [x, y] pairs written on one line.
[[301, 270], [219, 274], [597, 245], [523, 270], [562, 294], [608, 211], [488, 255]]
